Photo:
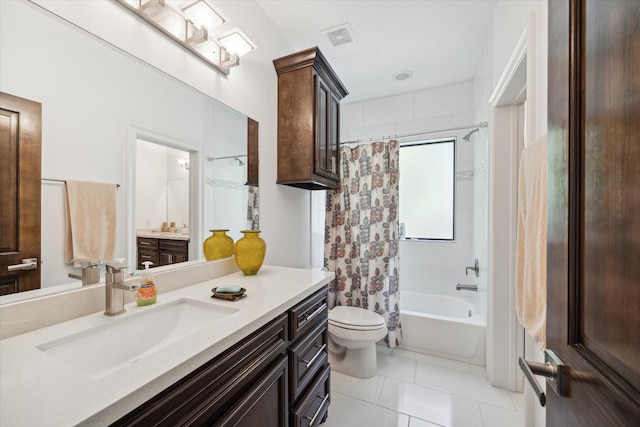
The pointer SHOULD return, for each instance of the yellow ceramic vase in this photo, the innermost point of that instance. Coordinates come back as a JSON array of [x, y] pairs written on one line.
[[218, 245], [249, 252]]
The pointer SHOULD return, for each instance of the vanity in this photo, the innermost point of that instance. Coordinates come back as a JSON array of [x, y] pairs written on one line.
[[260, 358], [161, 248]]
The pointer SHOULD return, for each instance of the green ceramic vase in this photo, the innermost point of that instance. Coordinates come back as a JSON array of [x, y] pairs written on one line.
[[218, 245], [249, 252]]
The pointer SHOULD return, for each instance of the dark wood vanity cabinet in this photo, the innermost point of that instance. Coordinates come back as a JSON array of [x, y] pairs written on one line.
[[309, 369], [309, 95], [161, 251], [172, 251], [278, 376]]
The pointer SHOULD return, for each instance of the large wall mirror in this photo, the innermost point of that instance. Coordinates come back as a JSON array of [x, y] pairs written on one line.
[[109, 117]]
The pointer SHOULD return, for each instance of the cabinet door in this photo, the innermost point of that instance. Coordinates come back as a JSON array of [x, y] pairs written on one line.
[[334, 137], [325, 159], [264, 405]]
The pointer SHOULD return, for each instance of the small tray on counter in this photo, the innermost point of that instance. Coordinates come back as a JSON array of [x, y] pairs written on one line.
[[229, 296]]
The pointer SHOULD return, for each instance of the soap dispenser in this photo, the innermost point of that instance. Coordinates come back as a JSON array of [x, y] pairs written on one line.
[[147, 291]]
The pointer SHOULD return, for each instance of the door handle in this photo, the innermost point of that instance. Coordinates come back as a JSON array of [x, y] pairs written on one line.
[[554, 371], [27, 264]]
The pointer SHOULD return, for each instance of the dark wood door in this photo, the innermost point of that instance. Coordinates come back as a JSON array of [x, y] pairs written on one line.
[[593, 272], [20, 189]]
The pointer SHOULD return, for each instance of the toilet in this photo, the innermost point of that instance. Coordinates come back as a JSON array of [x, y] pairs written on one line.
[[353, 332]]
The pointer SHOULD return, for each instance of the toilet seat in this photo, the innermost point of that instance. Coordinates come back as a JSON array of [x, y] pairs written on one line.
[[355, 318]]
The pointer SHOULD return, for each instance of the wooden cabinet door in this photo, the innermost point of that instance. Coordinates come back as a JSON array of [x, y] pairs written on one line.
[[265, 405], [593, 271], [20, 193], [322, 128]]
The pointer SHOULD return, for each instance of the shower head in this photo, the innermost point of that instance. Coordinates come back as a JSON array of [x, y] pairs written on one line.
[[480, 125], [467, 137], [240, 162]]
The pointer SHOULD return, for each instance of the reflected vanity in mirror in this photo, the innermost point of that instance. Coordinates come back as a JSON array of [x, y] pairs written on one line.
[[97, 102]]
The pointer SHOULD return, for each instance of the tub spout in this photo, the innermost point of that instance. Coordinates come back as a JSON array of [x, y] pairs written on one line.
[[461, 287]]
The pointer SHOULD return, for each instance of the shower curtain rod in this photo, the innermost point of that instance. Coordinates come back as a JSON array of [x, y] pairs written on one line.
[[406, 135]]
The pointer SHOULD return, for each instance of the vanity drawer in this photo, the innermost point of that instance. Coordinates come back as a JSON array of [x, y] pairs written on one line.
[[306, 358], [174, 245], [212, 390], [147, 243], [313, 407], [304, 316], [147, 255]]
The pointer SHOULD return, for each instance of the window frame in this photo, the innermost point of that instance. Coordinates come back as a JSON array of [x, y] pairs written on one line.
[[453, 141]]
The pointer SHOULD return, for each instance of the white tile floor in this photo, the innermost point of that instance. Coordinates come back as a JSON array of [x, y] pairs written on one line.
[[417, 390]]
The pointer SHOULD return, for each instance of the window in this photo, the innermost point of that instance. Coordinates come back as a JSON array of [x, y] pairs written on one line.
[[427, 190]]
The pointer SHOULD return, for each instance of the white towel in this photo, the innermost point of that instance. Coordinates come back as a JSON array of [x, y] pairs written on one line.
[[91, 221], [531, 268]]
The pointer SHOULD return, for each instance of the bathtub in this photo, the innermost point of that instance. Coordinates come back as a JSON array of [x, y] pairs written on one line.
[[442, 326]]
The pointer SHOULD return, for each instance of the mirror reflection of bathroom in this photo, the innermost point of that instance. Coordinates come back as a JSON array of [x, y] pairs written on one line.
[[226, 194], [161, 204]]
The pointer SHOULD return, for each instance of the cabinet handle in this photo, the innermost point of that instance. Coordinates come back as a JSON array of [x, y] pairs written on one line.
[[315, 356], [145, 256], [144, 243], [315, 313], [312, 419], [333, 164]]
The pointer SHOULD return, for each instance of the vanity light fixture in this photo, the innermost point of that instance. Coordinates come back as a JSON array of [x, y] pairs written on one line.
[[236, 42], [191, 23], [184, 163], [202, 14]]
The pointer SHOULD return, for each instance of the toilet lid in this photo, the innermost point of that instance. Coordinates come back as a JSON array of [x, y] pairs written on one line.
[[350, 317]]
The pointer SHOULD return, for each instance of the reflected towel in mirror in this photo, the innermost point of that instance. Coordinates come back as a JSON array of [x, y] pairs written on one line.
[[90, 221]]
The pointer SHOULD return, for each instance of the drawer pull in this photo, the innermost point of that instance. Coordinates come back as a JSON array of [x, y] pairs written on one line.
[[315, 313], [311, 420], [315, 356], [145, 243]]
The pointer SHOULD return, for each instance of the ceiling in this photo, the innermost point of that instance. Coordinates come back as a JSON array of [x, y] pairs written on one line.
[[440, 41]]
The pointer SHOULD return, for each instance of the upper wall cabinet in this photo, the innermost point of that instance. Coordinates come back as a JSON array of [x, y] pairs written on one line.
[[309, 94]]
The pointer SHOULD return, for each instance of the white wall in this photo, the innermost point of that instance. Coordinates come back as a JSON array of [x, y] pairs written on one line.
[[84, 130], [432, 267], [511, 19]]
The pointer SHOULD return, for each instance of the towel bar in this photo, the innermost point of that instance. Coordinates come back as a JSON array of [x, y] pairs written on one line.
[[63, 181]]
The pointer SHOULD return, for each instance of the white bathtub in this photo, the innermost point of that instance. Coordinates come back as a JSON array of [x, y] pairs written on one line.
[[442, 326]]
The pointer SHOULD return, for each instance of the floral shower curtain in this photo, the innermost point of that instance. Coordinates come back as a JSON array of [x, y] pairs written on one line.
[[362, 233], [253, 208]]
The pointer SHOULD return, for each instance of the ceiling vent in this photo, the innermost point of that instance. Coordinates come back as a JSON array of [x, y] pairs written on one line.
[[340, 35]]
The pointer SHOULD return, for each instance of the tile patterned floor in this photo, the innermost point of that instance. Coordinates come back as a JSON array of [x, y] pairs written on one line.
[[417, 390]]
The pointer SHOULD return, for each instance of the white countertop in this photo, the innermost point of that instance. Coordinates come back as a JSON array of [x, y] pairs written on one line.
[[169, 235], [36, 389]]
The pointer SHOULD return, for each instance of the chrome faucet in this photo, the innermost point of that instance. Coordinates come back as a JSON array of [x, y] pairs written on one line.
[[90, 272], [115, 286], [461, 287], [475, 268]]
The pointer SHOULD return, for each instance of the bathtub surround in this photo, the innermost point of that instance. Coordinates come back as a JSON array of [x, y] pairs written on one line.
[[362, 233], [531, 267]]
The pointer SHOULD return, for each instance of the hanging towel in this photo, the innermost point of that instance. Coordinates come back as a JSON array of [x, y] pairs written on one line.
[[531, 268], [91, 221]]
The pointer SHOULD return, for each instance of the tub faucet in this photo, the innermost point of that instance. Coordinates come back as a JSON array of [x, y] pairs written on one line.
[[115, 286], [461, 287], [475, 268]]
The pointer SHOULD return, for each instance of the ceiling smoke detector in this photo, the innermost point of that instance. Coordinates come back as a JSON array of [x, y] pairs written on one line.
[[340, 35]]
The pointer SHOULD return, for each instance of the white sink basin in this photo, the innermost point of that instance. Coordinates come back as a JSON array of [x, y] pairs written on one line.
[[120, 342]]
